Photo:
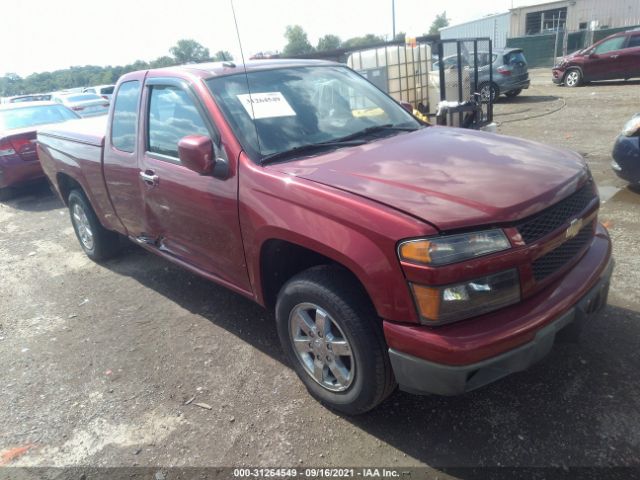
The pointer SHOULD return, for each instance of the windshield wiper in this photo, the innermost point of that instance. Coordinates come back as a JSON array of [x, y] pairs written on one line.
[[310, 148], [378, 128]]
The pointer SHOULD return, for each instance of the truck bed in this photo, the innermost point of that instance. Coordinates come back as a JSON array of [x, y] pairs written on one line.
[[72, 153], [90, 131]]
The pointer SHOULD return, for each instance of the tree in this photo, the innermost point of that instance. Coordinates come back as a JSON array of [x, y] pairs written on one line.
[[439, 22], [400, 37], [222, 56], [297, 41], [328, 42], [364, 41], [161, 62], [189, 51]]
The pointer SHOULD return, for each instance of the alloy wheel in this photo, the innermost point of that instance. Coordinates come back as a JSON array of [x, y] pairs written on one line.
[[83, 227], [322, 347]]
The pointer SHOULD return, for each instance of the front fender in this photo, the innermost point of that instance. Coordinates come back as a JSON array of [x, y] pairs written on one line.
[[355, 232]]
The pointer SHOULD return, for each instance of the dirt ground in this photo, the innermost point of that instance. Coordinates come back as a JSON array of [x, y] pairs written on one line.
[[98, 361]]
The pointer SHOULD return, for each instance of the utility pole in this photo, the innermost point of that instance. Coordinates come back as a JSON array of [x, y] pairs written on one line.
[[393, 18]]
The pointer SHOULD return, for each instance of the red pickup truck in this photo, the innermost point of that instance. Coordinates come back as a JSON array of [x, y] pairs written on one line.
[[393, 252]]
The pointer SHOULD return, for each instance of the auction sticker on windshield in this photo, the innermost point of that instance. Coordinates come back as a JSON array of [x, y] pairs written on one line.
[[266, 105]]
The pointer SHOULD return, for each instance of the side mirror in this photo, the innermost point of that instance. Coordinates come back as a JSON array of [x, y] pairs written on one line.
[[407, 106], [196, 153]]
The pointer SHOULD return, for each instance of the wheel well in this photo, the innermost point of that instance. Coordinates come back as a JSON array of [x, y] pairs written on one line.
[[65, 185], [280, 260]]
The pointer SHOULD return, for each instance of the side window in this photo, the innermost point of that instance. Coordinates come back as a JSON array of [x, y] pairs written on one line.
[[172, 116], [125, 117], [610, 45], [634, 42]]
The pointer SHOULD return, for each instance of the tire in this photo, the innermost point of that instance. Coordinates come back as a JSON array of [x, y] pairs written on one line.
[[573, 78], [352, 340], [484, 91], [514, 93], [96, 241]]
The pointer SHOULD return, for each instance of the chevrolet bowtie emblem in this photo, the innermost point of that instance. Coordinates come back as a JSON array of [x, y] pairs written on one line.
[[574, 228]]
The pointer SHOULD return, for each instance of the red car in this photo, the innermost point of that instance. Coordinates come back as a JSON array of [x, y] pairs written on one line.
[[615, 57], [392, 252], [18, 124]]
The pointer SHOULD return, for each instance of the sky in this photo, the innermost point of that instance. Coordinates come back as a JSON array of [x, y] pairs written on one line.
[[46, 35]]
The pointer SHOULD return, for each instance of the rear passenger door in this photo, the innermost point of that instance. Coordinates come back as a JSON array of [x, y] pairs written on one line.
[[121, 157], [631, 56], [192, 217]]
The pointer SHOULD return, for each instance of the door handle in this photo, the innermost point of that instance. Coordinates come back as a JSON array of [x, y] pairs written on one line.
[[149, 178], [614, 56]]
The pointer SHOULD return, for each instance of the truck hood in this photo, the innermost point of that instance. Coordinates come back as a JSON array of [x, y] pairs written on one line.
[[449, 177]]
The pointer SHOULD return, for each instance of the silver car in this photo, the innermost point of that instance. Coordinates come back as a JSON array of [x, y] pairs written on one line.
[[84, 104], [510, 74], [105, 91]]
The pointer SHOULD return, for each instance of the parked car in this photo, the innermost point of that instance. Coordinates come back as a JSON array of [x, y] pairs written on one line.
[[84, 104], [35, 97], [510, 73], [615, 57], [105, 91], [626, 152], [392, 252], [18, 125]]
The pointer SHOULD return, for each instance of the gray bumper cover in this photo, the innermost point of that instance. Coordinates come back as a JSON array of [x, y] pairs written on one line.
[[420, 376]]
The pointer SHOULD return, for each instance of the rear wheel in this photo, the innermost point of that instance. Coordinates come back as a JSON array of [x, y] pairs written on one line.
[[96, 241], [514, 93], [573, 78], [489, 90], [332, 337]]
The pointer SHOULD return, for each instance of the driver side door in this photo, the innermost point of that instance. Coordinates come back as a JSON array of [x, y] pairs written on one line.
[[189, 216]]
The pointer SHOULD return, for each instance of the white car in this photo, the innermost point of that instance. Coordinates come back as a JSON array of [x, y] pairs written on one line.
[[84, 104], [105, 91]]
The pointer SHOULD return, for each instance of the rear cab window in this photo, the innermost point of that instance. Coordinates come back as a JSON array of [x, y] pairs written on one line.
[[125, 116]]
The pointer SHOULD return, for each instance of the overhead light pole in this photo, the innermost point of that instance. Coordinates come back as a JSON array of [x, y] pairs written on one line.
[[393, 18]]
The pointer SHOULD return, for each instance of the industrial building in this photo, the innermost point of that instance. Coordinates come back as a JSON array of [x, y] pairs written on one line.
[[496, 27], [573, 16], [548, 30]]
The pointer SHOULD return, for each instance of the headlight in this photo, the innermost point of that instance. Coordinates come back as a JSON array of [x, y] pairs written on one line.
[[449, 303], [453, 248], [632, 127]]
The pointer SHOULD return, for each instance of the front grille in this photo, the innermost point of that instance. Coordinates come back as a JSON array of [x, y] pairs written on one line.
[[556, 259], [545, 222]]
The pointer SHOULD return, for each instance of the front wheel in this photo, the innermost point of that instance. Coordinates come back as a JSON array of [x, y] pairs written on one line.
[[332, 337], [573, 78], [96, 241]]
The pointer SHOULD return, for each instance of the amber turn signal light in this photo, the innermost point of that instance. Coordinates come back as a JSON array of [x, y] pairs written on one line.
[[416, 251]]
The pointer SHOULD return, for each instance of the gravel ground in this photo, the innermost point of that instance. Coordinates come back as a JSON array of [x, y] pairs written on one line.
[[99, 361]]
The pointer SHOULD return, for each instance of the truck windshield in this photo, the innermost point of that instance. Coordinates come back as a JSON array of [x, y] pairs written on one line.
[[289, 108]]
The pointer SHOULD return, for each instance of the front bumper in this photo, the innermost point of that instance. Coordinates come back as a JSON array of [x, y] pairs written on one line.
[[557, 75], [420, 376], [467, 355], [626, 158]]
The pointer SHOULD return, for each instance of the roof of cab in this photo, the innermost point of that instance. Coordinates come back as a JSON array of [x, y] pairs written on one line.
[[230, 68]]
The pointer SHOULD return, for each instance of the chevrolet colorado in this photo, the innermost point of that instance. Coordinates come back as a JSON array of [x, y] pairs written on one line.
[[393, 252]]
